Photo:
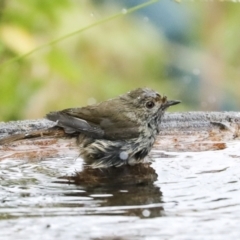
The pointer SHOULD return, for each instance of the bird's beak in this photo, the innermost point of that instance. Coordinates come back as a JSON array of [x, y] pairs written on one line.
[[170, 103]]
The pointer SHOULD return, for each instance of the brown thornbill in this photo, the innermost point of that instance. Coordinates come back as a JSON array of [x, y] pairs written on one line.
[[118, 131]]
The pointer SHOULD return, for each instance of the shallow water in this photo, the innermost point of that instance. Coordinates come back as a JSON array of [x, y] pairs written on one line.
[[188, 196]]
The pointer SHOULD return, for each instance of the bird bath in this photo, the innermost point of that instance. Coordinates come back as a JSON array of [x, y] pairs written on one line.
[[190, 190]]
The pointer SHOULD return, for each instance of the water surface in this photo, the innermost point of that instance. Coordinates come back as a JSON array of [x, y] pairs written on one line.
[[181, 195]]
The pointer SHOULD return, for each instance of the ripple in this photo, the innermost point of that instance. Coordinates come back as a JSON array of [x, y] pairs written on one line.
[[187, 195]]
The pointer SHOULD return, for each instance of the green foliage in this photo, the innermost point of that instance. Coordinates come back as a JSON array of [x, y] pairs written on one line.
[[100, 63], [37, 15], [107, 55]]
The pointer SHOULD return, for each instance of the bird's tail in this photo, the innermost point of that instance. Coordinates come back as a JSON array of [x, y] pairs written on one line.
[[50, 132]]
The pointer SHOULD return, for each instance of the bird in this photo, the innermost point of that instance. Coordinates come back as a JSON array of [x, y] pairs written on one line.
[[118, 131]]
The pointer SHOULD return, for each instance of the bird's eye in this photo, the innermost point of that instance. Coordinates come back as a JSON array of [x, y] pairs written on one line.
[[150, 104]]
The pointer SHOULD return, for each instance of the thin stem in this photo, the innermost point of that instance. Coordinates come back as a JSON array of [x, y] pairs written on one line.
[[127, 11]]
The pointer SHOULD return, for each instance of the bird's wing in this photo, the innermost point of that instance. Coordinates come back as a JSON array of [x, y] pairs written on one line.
[[73, 124], [98, 121]]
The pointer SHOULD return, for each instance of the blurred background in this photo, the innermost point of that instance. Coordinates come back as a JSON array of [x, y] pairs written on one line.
[[188, 51]]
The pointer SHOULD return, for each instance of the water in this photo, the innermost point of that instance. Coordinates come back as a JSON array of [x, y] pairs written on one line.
[[182, 195]]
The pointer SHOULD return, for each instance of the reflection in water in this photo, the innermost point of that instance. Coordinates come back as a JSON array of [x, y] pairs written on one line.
[[120, 176], [130, 189], [200, 198]]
